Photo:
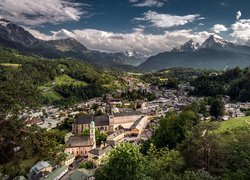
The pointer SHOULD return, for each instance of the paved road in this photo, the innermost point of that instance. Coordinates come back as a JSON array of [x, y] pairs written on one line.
[[66, 176]]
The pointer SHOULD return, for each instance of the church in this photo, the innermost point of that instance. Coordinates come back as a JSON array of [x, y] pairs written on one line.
[[79, 145], [107, 123]]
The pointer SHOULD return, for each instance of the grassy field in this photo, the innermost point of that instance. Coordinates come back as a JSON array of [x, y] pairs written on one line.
[[10, 64], [163, 79], [233, 124], [65, 79], [48, 92], [61, 80], [51, 96]]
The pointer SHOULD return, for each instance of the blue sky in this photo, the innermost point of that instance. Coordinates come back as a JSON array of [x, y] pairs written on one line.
[[147, 26]]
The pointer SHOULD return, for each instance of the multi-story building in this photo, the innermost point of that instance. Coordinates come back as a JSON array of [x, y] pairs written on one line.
[[108, 123], [83, 122]]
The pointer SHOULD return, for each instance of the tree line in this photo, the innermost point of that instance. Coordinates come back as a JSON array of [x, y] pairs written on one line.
[[234, 82]]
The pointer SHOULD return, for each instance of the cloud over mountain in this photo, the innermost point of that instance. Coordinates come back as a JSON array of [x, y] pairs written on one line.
[[219, 28], [138, 40]]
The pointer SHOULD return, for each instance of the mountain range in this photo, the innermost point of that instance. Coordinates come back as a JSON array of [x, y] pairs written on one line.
[[213, 53], [14, 36]]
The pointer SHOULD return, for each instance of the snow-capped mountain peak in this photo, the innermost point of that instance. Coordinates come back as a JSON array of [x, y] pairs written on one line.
[[215, 41], [189, 46], [131, 53]]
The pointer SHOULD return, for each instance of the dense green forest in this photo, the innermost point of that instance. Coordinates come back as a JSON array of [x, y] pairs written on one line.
[[30, 81], [234, 82]]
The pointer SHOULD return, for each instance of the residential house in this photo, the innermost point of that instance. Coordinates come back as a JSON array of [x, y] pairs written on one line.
[[42, 166], [69, 159], [115, 137], [34, 121], [96, 155], [40, 170]]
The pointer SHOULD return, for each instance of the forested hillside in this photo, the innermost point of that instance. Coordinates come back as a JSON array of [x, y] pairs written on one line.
[[31, 81], [234, 82]]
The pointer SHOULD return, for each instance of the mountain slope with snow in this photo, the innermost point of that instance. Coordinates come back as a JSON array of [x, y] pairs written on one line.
[[215, 41], [189, 46], [14, 33], [213, 53]]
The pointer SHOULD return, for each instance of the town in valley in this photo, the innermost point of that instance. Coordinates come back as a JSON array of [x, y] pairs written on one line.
[[124, 90], [117, 119]]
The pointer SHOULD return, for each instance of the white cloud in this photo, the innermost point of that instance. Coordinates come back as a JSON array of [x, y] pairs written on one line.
[[61, 34], [138, 40], [241, 31], [37, 34], [147, 3], [37, 12], [238, 15], [167, 20], [219, 28]]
